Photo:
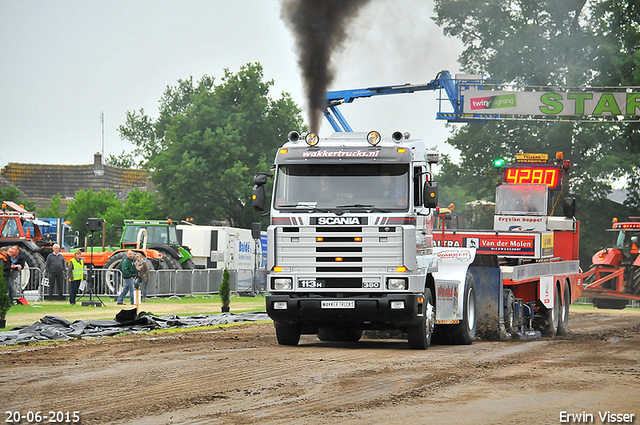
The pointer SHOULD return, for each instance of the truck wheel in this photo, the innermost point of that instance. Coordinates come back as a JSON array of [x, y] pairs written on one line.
[[287, 333], [30, 278], [552, 315], [465, 331], [634, 287], [509, 311], [171, 263], [419, 336], [113, 278], [609, 304], [563, 322], [188, 265]]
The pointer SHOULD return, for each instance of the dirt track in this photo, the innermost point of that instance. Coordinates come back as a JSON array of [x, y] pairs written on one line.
[[240, 375]]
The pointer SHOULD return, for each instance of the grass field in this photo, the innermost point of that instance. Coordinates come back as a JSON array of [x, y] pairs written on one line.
[[20, 315]]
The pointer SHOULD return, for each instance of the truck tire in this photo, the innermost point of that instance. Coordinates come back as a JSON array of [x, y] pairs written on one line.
[[188, 265], [419, 336], [609, 304], [509, 311], [563, 322], [31, 277], [170, 262], [465, 332], [287, 333], [633, 287], [552, 315], [113, 279]]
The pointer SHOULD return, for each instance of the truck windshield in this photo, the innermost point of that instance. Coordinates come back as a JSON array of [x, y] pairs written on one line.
[[521, 199], [342, 186], [155, 234]]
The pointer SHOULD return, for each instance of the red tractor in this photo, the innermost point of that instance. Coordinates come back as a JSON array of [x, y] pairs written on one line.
[[20, 227], [614, 277]]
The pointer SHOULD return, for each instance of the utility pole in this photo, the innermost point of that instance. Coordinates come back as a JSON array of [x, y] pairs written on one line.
[[102, 122]]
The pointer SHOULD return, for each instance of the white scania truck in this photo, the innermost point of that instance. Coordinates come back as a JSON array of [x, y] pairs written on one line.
[[350, 242]]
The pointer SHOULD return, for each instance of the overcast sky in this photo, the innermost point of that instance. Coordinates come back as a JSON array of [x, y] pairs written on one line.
[[64, 62]]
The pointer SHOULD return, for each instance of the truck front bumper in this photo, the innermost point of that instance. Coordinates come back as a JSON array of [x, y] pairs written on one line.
[[387, 311]]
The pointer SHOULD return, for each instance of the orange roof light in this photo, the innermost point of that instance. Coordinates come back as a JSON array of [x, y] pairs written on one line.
[[169, 221], [559, 155]]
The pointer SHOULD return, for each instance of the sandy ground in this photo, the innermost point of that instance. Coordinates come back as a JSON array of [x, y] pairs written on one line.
[[239, 375]]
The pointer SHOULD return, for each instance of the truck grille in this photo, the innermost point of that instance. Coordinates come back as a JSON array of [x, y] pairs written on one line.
[[332, 253]]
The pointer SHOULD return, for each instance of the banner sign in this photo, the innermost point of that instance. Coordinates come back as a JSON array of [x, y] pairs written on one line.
[[504, 244], [582, 103]]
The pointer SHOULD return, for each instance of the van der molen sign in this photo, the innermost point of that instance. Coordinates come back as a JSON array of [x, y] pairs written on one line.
[[583, 103]]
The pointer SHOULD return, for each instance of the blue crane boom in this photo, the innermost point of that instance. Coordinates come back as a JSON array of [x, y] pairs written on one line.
[[452, 88]]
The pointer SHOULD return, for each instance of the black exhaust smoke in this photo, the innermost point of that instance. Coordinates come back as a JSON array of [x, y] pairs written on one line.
[[319, 27]]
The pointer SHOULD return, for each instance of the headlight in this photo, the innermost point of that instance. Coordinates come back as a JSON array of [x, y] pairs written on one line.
[[395, 284], [282, 283], [312, 139], [374, 138], [397, 305], [280, 305]]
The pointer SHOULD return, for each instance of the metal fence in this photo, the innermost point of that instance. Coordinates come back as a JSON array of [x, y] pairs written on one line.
[[162, 283]]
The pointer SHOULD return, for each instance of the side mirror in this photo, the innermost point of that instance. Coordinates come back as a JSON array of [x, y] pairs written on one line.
[[260, 179], [258, 198], [430, 194], [569, 207]]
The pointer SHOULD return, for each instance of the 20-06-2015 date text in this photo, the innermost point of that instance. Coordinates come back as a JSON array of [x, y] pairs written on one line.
[[50, 417]]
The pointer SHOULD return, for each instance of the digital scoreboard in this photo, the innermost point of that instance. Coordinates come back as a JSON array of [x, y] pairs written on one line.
[[534, 174]]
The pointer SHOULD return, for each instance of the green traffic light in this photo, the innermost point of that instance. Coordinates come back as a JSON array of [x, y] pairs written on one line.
[[498, 162]]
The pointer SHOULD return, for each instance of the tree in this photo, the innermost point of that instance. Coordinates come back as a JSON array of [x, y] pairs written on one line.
[[124, 160], [546, 43], [14, 194], [88, 204], [139, 205], [210, 140], [53, 210], [225, 290]]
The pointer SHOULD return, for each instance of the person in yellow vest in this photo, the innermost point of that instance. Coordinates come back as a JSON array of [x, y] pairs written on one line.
[[76, 275]]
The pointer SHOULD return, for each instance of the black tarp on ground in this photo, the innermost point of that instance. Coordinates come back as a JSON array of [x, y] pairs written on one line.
[[54, 328]]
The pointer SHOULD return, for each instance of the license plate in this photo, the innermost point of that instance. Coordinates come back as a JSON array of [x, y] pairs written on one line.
[[338, 304]]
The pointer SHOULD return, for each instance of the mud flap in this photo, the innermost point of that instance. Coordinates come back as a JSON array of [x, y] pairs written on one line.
[[489, 303]]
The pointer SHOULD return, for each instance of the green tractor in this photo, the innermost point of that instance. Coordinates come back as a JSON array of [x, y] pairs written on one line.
[[161, 236]]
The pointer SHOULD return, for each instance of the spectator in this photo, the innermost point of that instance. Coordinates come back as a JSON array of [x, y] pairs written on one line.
[[5, 269], [17, 264], [129, 273], [55, 269], [142, 265], [76, 275]]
